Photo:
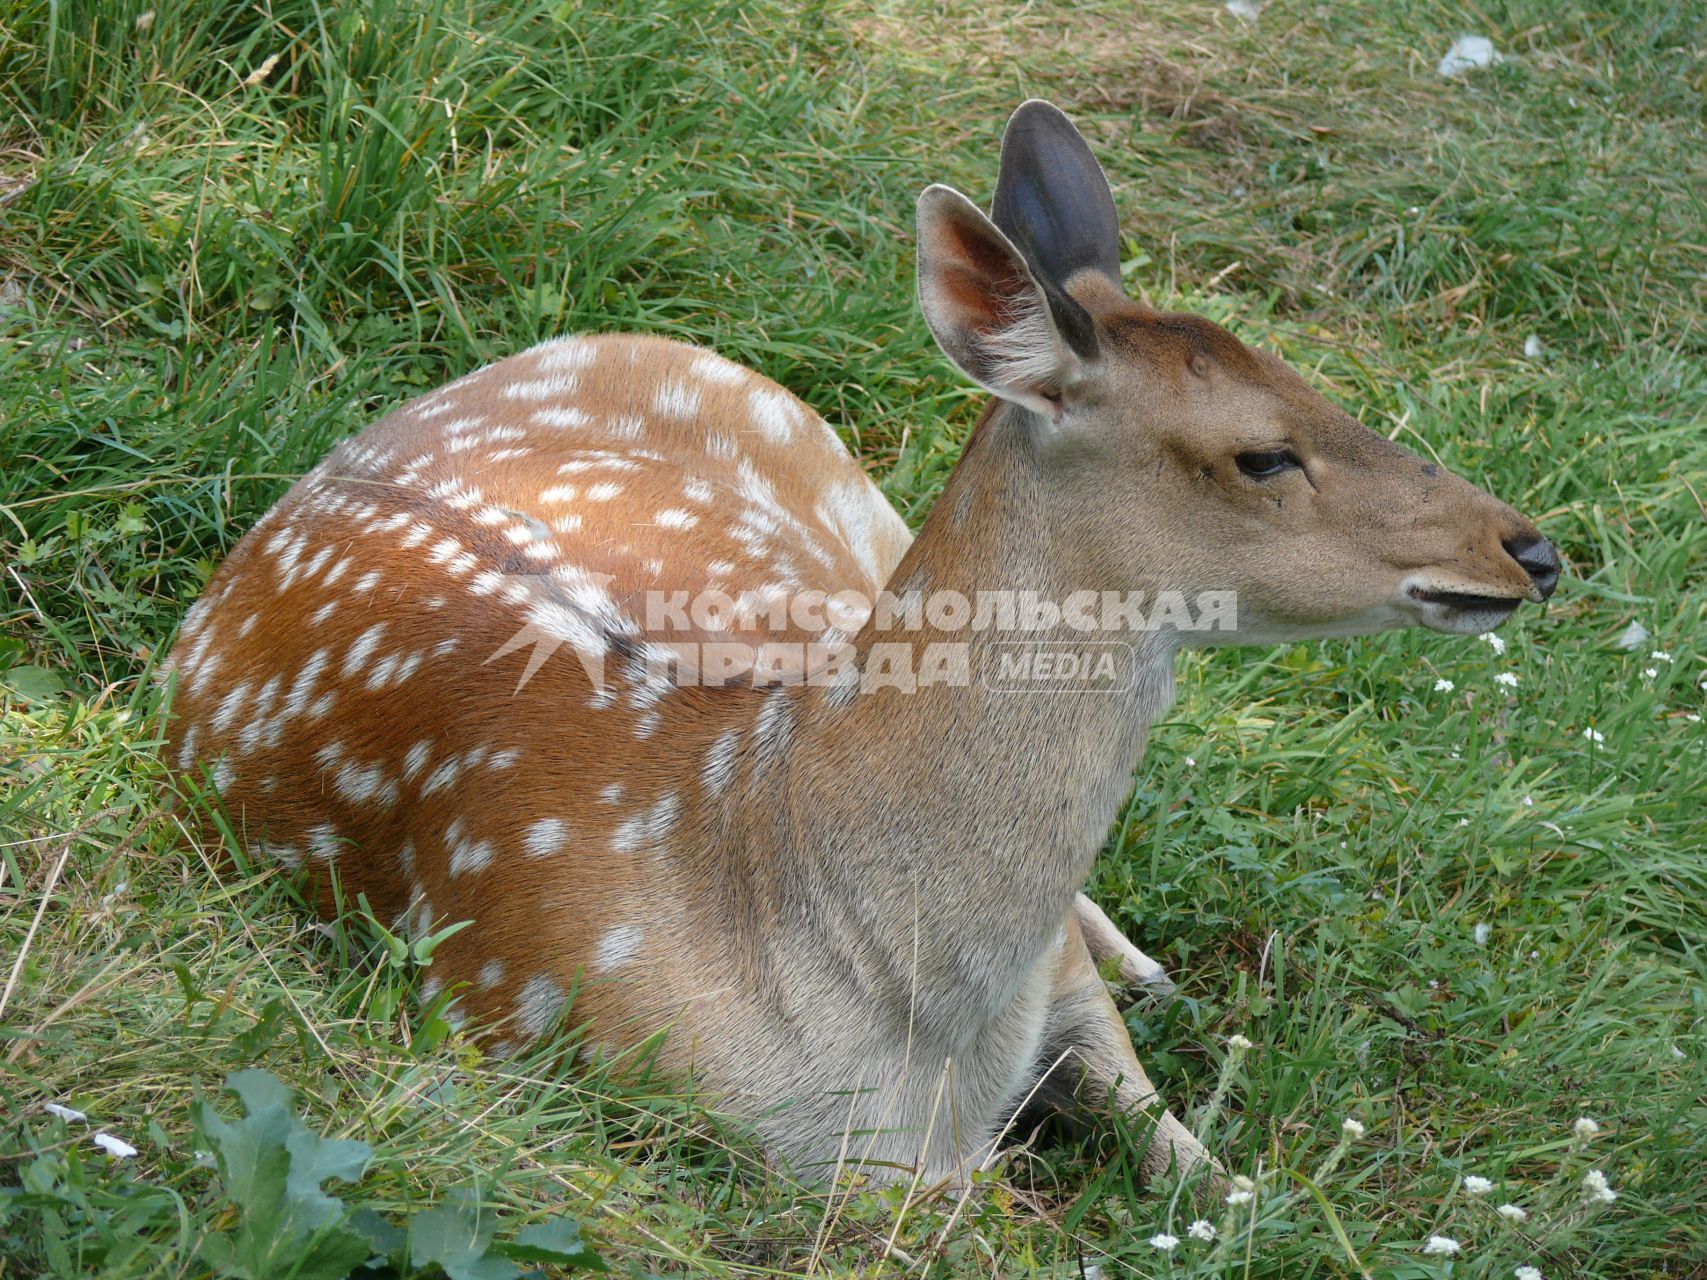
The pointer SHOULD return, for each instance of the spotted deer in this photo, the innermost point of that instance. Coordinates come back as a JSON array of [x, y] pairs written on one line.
[[849, 894]]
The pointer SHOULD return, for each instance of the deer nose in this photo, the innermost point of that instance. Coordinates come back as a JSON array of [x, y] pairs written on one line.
[[1539, 560]]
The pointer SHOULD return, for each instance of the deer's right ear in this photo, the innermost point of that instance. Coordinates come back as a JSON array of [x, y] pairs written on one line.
[[984, 307]]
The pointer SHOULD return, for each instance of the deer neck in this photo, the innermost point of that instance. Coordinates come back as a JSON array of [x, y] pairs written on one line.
[[962, 813]]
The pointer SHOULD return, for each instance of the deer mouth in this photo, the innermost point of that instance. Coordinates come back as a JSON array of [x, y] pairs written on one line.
[[1460, 611]]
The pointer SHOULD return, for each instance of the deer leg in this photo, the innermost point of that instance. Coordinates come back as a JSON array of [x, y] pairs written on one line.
[[1091, 1067], [1107, 942]]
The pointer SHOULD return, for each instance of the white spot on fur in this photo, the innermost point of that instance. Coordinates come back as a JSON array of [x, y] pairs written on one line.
[[603, 491], [719, 768], [563, 417], [545, 837], [324, 841], [548, 388], [361, 649], [616, 947], [490, 975], [442, 777], [538, 1004], [675, 518], [775, 413], [466, 854], [564, 355], [676, 399], [714, 368], [647, 828], [611, 792]]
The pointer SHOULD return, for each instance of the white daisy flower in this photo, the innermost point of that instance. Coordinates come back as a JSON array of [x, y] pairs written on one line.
[[1164, 1242], [1202, 1229], [1527, 1273], [1477, 1186], [1595, 736], [1443, 685], [118, 1148], [1513, 1213], [1445, 1246], [1507, 678], [1352, 1127], [64, 1113], [1585, 1128]]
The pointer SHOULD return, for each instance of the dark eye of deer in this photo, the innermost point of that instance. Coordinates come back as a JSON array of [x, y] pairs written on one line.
[[1266, 463]]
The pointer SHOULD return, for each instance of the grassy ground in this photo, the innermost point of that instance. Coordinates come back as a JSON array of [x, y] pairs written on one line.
[[229, 235]]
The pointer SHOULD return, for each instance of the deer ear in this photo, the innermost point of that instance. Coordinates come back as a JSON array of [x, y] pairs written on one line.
[[1053, 202], [984, 307]]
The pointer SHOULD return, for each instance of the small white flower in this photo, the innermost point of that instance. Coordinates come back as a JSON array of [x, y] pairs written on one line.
[[1528, 802], [1660, 655], [1532, 348], [1463, 822], [1484, 931], [1585, 1128], [1594, 1182], [1443, 685], [1237, 1041], [1352, 1127], [64, 1113], [1513, 1213], [1496, 643], [1477, 1186], [1190, 763], [118, 1148], [1651, 672], [1678, 1053], [1202, 1229], [1164, 1242], [1693, 718], [1239, 1197], [1527, 1273], [1445, 1246], [1595, 736], [1507, 678]]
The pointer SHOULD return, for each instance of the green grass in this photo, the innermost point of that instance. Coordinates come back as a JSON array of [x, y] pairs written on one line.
[[204, 282]]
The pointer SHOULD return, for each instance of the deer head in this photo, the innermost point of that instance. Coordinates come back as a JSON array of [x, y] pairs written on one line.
[[1174, 456]]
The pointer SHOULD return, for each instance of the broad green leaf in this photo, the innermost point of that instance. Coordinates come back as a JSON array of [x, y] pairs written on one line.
[[557, 1241]]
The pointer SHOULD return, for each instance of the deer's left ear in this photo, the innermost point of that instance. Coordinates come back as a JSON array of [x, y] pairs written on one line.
[[1054, 204], [986, 309]]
